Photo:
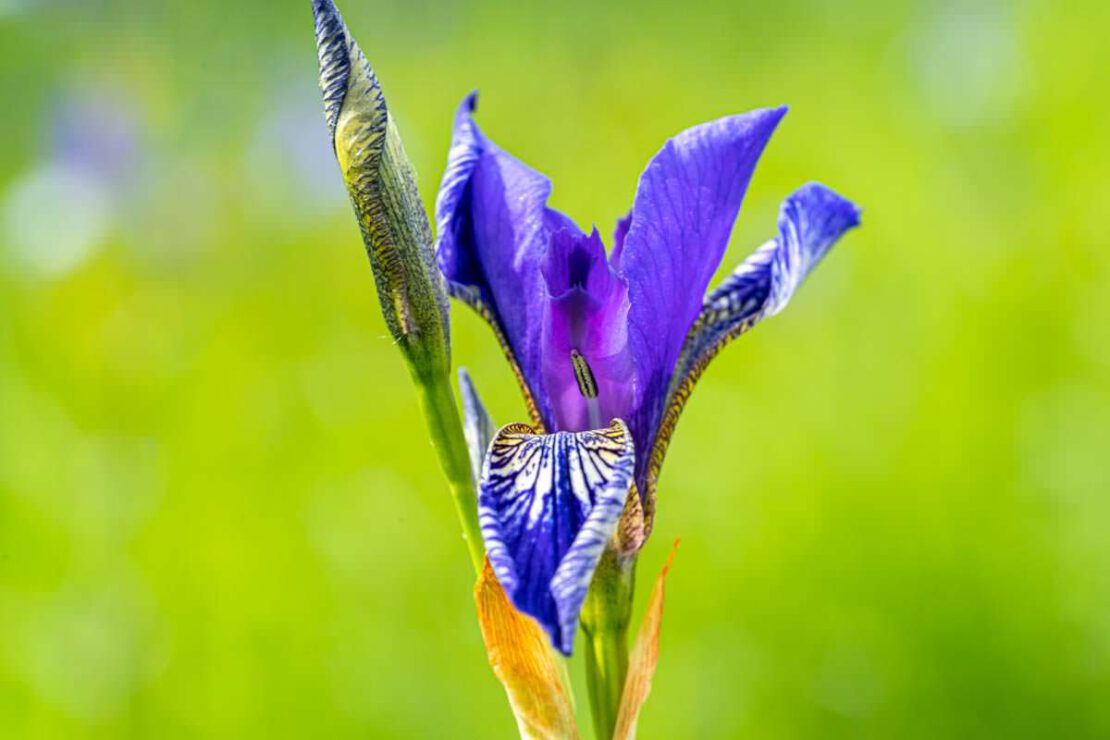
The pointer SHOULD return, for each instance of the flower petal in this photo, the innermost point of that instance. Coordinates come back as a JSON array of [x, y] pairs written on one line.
[[811, 220], [681, 219], [493, 228], [477, 424], [525, 664], [462, 159], [586, 314], [548, 504]]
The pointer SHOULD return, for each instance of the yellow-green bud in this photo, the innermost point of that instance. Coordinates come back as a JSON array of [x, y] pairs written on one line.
[[383, 191]]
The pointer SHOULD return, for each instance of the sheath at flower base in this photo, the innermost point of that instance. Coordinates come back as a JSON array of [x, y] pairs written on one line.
[[607, 349]]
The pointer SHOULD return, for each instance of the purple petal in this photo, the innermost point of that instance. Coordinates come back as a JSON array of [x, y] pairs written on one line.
[[493, 228], [575, 262], [452, 222], [686, 203], [619, 233], [586, 315], [548, 504]]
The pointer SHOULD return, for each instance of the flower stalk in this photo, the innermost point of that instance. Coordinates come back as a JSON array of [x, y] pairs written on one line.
[[606, 616], [398, 239]]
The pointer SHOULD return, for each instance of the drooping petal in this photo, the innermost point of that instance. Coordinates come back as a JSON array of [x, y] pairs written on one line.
[[477, 424], [523, 661], [811, 220], [547, 505], [681, 219], [493, 228], [644, 658]]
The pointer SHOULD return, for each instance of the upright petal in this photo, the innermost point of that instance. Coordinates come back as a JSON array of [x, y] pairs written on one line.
[[620, 231], [453, 217], [493, 228], [548, 504], [681, 219], [811, 220]]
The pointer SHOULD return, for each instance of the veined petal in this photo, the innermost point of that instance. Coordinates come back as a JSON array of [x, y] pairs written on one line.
[[677, 232], [493, 228], [548, 504], [811, 220], [477, 424]]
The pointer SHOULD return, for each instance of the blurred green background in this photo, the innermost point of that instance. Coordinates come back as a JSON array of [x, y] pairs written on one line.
[[220, 517]]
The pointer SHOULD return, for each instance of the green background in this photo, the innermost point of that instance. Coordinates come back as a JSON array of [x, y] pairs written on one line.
[[220, 516]]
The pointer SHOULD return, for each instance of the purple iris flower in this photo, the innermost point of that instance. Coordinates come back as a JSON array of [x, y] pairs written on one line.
[[607, 347]]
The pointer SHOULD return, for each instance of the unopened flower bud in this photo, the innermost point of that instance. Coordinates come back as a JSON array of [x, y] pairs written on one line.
[[383, 191]]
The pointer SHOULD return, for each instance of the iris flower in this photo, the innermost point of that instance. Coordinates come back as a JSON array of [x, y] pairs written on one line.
[[607, 347]]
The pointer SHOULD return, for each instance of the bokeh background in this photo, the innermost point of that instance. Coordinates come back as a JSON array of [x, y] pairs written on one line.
[[220, 516]]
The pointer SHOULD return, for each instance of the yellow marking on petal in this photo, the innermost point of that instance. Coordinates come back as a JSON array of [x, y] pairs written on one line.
[[631, 533], [644, 658], [522, 659], [470, 297]]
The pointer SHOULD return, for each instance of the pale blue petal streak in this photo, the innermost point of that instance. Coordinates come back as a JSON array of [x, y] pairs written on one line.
[[811, 220]]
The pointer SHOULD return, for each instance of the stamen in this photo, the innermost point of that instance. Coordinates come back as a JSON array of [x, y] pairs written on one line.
[[587, 386]]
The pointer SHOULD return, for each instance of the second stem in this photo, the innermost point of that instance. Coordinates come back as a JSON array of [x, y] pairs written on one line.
[[606, 615]]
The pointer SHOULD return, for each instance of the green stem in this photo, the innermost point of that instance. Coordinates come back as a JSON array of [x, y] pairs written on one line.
[[605, 618], [445, 426]]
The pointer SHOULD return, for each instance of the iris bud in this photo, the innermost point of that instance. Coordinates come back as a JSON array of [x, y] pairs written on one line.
[[383, 191]]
